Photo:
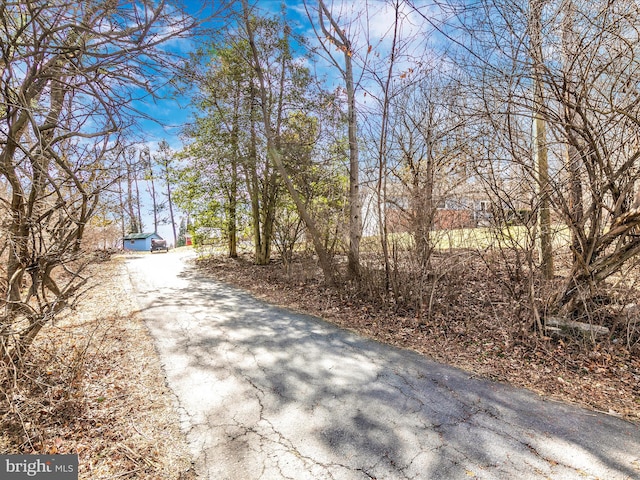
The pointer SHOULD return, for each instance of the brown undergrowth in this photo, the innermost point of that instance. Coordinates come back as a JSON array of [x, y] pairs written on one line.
[[92, 385], [473, 323]]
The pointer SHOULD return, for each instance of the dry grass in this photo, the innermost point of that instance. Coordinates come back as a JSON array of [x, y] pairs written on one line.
[[93, 385]]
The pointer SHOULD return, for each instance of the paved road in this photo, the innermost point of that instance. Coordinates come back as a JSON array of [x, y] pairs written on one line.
[[268, 394]]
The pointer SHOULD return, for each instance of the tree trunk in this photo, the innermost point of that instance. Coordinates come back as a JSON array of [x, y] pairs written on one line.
[[122, 207], [147, 163], [544, 213], [273, 153], [232, 200], [173, 223], [254, 189], [540, 158], [164, 160], [138, 205], [382, 159], [133, 219], [423, 219], [232, 222], [572, 152], [261, 252], [355, 204]]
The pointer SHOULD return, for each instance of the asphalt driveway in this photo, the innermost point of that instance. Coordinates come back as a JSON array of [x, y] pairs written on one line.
[[265, 393]]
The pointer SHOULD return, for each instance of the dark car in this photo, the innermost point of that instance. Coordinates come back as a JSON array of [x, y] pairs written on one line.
[[158, 245]]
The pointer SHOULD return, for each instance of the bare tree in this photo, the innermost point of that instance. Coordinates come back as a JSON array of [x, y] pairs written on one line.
[[337, 36], [384, 99], [132, 204], [164, 160], [597, 120], [540, 156], [572, 160], [70, 72], [573, 64], [147, 166]]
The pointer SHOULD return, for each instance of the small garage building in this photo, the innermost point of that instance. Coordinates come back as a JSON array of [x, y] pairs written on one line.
[[139, 242]]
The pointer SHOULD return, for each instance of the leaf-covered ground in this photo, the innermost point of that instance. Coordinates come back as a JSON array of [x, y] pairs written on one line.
[[474, 331], [94, 386]]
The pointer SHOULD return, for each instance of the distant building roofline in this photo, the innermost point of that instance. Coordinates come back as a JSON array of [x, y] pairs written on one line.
[[140, 236]]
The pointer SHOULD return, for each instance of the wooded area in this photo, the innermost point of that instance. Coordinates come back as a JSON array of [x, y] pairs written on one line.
[[71, 74], [518, 122]]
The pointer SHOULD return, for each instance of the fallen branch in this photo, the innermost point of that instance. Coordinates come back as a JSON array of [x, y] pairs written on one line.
[[555, 324]]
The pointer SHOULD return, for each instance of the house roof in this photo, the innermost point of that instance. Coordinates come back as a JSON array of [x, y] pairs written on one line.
[[140, 236]]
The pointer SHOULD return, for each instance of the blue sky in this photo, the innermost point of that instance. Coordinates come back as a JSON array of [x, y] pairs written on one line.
[[374, 28], [173, 113]]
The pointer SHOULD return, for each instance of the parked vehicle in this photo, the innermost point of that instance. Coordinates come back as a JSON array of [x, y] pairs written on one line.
[[159, 245]]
